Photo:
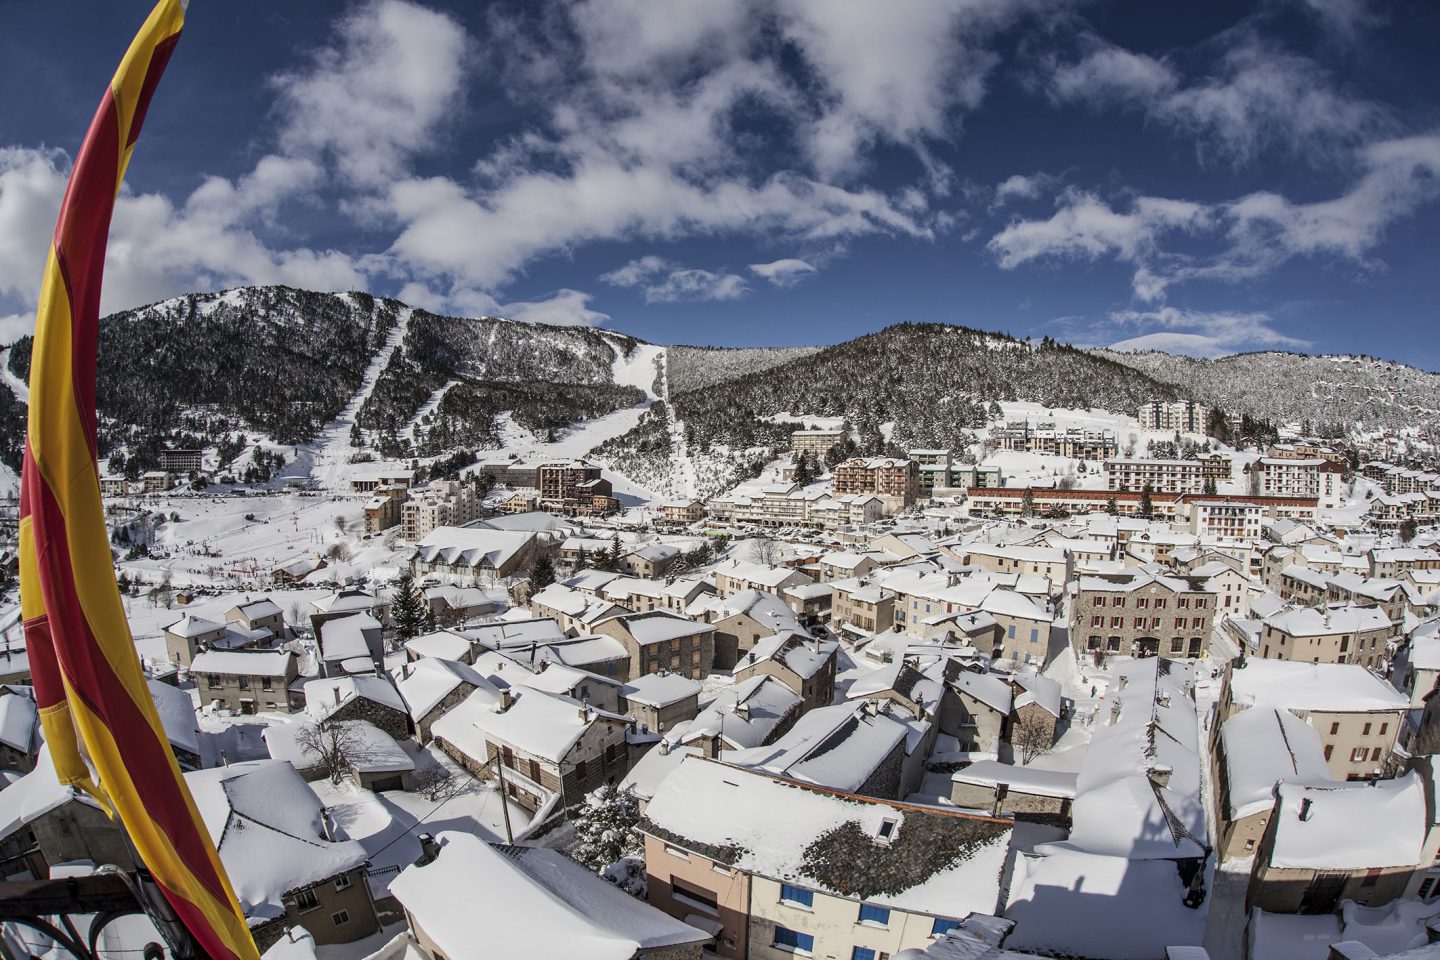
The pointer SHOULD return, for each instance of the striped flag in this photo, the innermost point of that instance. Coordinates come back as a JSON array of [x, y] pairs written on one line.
[[100, 722]]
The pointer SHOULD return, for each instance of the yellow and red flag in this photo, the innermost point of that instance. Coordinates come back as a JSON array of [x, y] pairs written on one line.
[[94, 702]]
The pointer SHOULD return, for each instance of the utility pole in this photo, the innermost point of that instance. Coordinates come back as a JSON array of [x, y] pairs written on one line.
[[499, 762]]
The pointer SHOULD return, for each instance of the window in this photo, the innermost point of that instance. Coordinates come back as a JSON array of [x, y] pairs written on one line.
[[1177, 645], [1141, 603], [793, 940], [535, 770], [1250, 844], [580, 769], [1034, 634], [267, 684], [1099, 601], [879, 916], [1329, 749], [1010, 631], [244, 682], [677, 853], [698, 896], [1383, 728], [342, 882], [212, 681], [1375, 755], [1159, 603], [797, 896], [1334, 728], [340, 917], [306, 900], [862, 953], [1359, 754], [941, 927], [1372, 877], [887, 829], [1426, 886], [1365, 731]]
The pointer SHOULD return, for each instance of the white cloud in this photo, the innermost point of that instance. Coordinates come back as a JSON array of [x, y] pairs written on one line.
[[563, 308], [1086, 227], [1021, 187], [1202, 333], [1235, 240], [1257, 97], [784, 273], [158, 249], [379, 94], [662, 281]]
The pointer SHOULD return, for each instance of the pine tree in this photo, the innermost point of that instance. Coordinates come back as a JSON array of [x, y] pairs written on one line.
[[1147, 509], [607, 829], [1027, 503], [542, 573], [802, 469], [1112, 508], [407, 609], [1209, 488], [616, 552]]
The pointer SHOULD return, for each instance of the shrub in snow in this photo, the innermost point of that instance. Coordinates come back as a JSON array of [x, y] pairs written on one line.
[[607, 832]]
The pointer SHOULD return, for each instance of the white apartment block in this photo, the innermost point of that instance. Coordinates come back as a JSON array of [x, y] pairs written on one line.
[[1161, 476], [1185, 416], [1046, 437], [1290, 477], [1227, 519], [444, 503]]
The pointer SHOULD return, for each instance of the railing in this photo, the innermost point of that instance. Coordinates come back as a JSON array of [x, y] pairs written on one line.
[[52, 909]]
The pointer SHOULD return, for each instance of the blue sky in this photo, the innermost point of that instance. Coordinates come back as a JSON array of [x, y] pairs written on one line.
[[1199, 177]]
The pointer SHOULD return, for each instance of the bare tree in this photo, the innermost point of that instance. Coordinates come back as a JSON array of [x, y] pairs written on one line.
[[1031, 737], [334, 745], [438, 782], [766, 550], [338, 551]]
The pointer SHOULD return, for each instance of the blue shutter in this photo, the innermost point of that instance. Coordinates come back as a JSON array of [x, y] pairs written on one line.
[[873, 914], [785, 937], [941, 927], [862, 953], [797, 895]]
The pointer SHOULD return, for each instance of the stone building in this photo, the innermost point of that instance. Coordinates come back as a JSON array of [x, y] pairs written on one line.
[[1137, 613]]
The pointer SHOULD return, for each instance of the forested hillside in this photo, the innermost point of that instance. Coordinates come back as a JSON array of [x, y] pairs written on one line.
[[926, 385], [1331, 393]]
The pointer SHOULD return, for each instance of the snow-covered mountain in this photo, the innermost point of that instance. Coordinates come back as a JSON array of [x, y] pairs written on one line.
[[266, 374], [1338, 394]]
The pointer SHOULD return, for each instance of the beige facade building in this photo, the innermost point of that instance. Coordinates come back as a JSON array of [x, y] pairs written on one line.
[[1141, 614], [817, 442], [1357, 715], [1341, 633], [444, 503], [247, 682], [894, 481]]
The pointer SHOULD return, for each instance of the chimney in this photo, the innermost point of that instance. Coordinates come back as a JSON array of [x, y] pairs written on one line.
[[429, 850], [742, 710], [405, 670], [544, 665], [507, 699], [336, 691], [1305, 805], [664, 748]]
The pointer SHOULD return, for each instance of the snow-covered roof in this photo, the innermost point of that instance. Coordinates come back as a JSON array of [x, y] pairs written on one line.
[[990, 690], [324, 696], [475, 901], [507, 634], [743, 714], [255, 609], [1323, 687], [269, 828], [1343, 618], [1147, 729], [445, 644], [1043, 783], [345, 638], [271, 663], [190, 626], [1265, 747], [177, 715], [431, 679], [839, 746], [1039, 690], [799, 653], [35, 794], [538, 723], [1315, 825], [658, 626], [659, 690], [936, 863], [472, 546]]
